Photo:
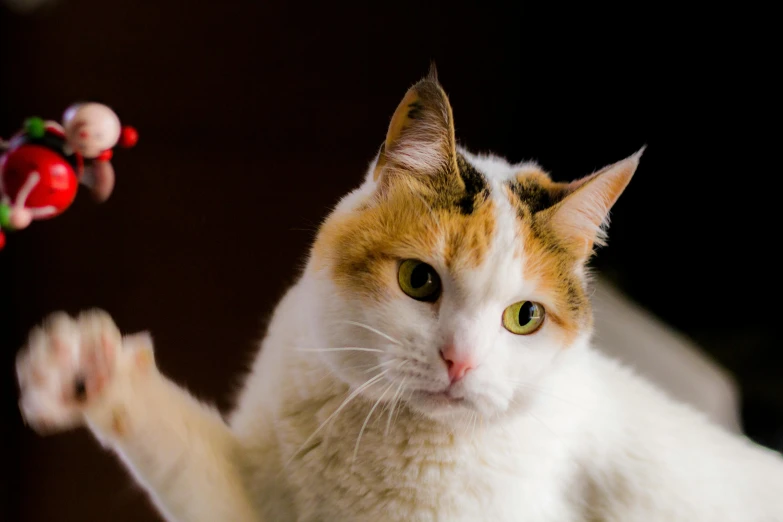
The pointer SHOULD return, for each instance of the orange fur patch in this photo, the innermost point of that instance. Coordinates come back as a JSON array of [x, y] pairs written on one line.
[[547, 258], [119, 423], [412, 218]]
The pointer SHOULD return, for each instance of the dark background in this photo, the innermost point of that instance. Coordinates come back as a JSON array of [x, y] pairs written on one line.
[[255, 117]]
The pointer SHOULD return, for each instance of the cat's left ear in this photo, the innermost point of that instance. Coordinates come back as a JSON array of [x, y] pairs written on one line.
[[581, 217], [420, 139]]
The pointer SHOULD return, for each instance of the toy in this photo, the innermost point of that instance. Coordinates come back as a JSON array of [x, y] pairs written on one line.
[[43, 164]]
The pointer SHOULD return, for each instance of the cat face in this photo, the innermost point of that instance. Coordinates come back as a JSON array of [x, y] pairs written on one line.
[[451, 282]]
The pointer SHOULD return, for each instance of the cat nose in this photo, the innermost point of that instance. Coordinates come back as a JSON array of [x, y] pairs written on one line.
[[457, 363]]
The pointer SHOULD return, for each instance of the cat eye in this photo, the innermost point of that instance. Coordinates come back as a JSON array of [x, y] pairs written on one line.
[[523, 318], [419, 280]]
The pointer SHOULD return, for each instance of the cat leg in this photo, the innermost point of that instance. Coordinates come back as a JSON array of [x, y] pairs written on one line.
[[81, 371]]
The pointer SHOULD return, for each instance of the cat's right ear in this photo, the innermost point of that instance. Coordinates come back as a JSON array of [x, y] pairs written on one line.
[[420, 138], [581, 217]]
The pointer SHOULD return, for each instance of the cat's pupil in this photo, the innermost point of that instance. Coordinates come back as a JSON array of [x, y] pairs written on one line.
[[525, 313], [420, 276]]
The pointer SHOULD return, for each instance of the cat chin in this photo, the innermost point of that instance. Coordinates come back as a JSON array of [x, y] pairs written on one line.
[[441, 408]]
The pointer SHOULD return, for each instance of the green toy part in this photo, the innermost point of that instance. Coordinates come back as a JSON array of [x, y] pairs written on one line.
[[5, 216], [34, 127]]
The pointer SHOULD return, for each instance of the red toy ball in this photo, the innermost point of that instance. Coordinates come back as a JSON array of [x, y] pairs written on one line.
[[57, 183], [129, 136], [43, 164]]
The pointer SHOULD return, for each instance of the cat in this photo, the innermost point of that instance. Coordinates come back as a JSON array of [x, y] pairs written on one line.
[[432, 362]]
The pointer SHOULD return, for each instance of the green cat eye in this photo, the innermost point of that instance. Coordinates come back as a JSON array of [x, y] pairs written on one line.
[[523, 318], [419, 280]]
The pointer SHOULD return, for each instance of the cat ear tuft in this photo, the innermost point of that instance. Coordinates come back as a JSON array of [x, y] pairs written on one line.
[[420, 138], [432, 75], [582, 216]]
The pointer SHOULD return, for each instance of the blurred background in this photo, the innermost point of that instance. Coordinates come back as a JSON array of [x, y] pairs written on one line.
[[256, 116]]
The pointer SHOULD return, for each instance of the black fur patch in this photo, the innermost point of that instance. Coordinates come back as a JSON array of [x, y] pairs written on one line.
[[536, 197], [574, 297], [476, 186], [415, 109]]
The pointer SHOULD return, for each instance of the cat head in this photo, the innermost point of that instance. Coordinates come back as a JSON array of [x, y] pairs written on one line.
[[451, 281]]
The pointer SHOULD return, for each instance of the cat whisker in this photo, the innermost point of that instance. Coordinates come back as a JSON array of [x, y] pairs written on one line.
[[401, 399], [464, 426], [366, 420], [340, 349], [381, 365], [352, 396], [387, 405], [394, 401], [374, 330], [326, 372], [550, 430]]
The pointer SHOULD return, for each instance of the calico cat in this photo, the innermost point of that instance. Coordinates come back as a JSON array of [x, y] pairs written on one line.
[[444, 370]]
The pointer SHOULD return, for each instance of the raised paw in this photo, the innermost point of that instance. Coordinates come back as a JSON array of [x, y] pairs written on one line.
[[68, 365]]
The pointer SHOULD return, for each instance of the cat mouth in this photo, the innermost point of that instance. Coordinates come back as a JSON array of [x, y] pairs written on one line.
[[440, 398]]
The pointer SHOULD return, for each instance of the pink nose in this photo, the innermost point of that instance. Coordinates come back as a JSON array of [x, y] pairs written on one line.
[[457, 364], [82, 134]]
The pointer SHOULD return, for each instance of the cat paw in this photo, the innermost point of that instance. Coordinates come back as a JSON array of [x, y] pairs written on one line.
[[68, 365]]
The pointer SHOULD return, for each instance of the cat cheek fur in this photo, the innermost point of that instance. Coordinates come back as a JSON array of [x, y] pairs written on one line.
[[372, 335]]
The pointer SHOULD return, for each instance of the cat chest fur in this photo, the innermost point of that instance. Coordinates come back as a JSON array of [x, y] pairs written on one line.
[[420, 470]]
